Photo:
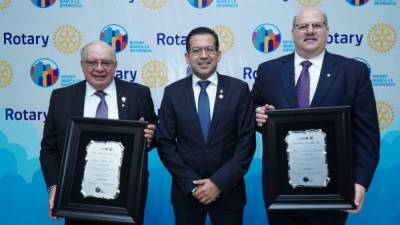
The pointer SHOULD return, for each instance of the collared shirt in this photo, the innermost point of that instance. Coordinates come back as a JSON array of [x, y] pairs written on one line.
[[211, 91], [92, 101], [314, 70]]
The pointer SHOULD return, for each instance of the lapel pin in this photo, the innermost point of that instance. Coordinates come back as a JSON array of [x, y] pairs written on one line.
[[328, 75], [123, 99]]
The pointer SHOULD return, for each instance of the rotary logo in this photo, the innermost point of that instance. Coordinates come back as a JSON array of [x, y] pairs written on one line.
[[307, 3], [67, 39], [225, 36], [382, 37], [154, 74], [154, 4], [4, 4], [6, 73], [386, 114]]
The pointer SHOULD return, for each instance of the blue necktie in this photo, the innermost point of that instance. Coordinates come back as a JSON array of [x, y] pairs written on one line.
[[303, 86], [102, 109], [204, 108]]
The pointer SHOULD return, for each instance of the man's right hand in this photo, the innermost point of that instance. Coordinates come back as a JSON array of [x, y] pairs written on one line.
[[52, 194], [261, 117]]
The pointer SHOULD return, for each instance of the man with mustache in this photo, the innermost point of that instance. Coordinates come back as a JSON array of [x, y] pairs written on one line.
[[326, 80]]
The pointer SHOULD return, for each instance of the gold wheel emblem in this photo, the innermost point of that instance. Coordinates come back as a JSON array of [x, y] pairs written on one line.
[[4, 4], [154, 4], [67, 39], [386, 114], [154, 74], [382, 37], [307, 3], [225, 36], [6, 73]]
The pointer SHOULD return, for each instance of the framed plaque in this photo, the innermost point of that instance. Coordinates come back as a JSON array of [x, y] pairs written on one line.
[[307, 159], [102, 171]]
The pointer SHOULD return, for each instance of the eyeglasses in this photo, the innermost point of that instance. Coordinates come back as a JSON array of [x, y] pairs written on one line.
[[196, 51], [106, 64], [315, 26]]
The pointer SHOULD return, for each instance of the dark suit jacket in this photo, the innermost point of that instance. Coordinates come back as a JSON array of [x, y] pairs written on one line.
[[69, 101], [342, 82], [227, 154]]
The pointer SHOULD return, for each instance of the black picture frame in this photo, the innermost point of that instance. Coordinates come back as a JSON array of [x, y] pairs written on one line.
[[70, 203], [339, 193]]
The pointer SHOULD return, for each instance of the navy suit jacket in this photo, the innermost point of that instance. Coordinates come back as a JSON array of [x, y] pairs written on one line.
[[227, 153], [69, 101], [342, 82]]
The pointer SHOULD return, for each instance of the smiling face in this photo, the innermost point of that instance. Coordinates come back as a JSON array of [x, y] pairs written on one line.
[[310, 32], [203, 55], [98, 64]]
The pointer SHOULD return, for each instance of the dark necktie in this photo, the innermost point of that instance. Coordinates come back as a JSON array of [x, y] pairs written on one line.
[[204, 108], [303, 86], [102, 109]]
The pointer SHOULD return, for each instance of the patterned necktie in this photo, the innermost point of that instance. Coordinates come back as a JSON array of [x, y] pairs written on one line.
[[204, 108], [303, 86], [102, 109]]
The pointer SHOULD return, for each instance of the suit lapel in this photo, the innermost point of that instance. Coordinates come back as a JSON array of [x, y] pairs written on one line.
[[122, 101], [218, 105], [326, 78], [79, 100], [287, 81]]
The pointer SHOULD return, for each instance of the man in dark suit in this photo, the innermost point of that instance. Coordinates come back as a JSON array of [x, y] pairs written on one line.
[[124, 100], [313, 77], [206, 137]]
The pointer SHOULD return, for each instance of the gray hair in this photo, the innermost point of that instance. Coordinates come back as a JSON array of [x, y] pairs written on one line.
[[83, 50]]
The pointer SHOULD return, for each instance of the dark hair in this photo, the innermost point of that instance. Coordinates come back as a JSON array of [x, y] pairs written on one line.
[[198, 31]]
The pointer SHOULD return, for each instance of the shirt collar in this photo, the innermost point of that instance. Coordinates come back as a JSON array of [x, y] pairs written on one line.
[[213, 79], [109, 90], [316, 61]]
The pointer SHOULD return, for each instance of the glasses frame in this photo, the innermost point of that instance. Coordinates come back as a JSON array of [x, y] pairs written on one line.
[[315, 26], [209, 50], [106, 64]]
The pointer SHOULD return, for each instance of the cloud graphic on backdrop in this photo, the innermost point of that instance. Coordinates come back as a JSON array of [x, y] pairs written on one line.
[[22, 202], [13, 159]]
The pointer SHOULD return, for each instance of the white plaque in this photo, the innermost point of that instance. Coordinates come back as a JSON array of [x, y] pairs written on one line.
[[306, 152], [102, 169]]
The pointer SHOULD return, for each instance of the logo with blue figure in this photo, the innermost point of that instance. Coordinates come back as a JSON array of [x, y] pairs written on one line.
[[266, 38], [116, 36], [200, 4], [44, 72], [357, 2], [43, 3]]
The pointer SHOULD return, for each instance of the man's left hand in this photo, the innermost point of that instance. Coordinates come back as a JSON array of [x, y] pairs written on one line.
[[358, 198], [207, 191], [149, 132]]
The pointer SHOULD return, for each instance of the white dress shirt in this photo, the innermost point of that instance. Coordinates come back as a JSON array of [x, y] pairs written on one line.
[[314, 70], [211, 91], [92, 101]]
